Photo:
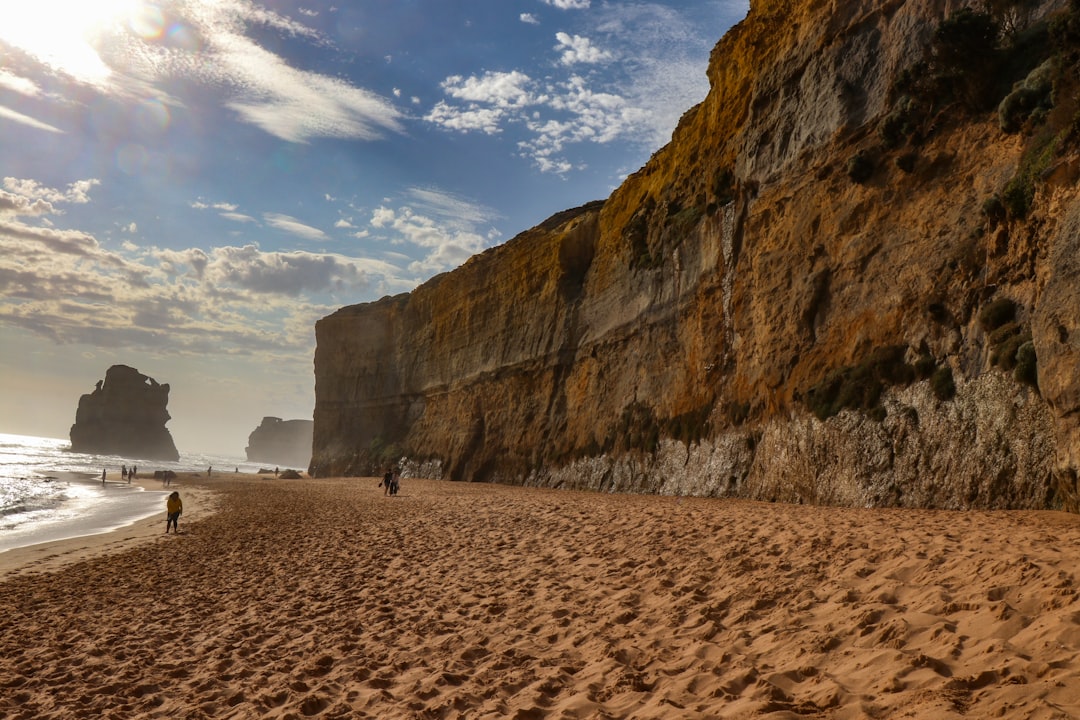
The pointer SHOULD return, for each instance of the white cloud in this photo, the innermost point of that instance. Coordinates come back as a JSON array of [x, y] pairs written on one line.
[[22, 119], [15, 204], [529, 19], [237, 217], [568, 4], [21, 85], [502, 89], [486, 120], [77, 192], [295, 105], [212, 44], [64, 285], [445, 228], [576, 49], [489, 100], [293, 226], [661, 72]]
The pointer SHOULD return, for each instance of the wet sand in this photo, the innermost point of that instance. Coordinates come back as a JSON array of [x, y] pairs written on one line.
[[122, 505], [327, 599]]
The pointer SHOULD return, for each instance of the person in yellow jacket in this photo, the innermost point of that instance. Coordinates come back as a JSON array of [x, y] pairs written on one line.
[[174, 507]]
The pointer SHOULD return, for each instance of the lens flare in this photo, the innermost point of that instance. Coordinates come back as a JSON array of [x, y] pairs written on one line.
[[148, 22], [152, 115], [65, 34]]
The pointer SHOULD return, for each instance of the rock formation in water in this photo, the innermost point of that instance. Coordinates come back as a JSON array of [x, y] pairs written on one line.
[[852, 277], [125, 415], [286, 442]]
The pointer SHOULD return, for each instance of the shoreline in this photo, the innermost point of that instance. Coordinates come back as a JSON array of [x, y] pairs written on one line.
[[103, 530], [119, 504]]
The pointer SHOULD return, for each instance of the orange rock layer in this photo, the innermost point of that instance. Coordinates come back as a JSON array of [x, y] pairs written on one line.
[[815, 293]]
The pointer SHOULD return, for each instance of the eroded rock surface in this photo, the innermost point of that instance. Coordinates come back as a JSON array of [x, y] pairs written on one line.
[[286, 442], [125, 415], [841, 282]]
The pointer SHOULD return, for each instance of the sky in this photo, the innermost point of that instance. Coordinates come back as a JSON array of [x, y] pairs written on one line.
[[187, 186]]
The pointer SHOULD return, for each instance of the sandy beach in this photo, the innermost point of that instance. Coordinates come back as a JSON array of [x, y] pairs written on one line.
[[326, 599]]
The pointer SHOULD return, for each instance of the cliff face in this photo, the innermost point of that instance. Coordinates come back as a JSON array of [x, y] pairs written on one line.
[[125, 415], [842, 282], [287, 442]]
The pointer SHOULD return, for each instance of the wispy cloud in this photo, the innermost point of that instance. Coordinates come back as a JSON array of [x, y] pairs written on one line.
[[22, 119], [568, 4], [444, 228], [291, 225], [208, 43]]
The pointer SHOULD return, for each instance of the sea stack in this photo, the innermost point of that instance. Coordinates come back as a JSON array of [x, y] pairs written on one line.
[[287, 442], [125, 415]]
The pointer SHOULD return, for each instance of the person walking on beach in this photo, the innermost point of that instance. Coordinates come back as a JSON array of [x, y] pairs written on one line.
[[395, 481], [174, 507], [209, 470], [102, 477], [387, 479]]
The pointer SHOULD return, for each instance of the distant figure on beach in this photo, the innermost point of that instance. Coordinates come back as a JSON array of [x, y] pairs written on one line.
[[123, 472], [275, 472], [174, 507], [209, 470], [134, 469], [387, 479], [102, 477], [395, 481]]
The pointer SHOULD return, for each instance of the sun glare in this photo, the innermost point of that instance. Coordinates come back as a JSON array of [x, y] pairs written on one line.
[[65, 34]]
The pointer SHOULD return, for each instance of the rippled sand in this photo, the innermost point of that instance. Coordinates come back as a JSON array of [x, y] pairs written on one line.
[[326, 599]]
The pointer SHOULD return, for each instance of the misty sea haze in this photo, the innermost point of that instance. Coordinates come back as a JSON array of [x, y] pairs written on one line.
[[48, 493]]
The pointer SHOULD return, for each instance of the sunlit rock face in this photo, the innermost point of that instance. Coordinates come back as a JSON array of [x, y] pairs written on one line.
[[823, 290], [125, 415], [286, 442]]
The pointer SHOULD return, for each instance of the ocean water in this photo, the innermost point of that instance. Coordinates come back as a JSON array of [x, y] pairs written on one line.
[[50, 493]]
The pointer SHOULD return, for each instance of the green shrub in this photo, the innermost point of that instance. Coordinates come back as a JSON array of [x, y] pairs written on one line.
[[638, 429], [906, 161], [724, 186], [964, 46], [895, 127], [1026, 365], [859, 387], [997, 313], [993, 209], [942, 383], [1031, 93], [1003, 333], [925, 366], [689, 427], [860, 167], [1005, 354], [1019, 193]]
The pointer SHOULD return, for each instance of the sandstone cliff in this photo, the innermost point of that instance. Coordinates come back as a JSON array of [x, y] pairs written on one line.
[[286, 442], [125, 415], [850, 278]]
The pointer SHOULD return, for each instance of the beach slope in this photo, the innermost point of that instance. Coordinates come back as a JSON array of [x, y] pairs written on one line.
[[327, 599]]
